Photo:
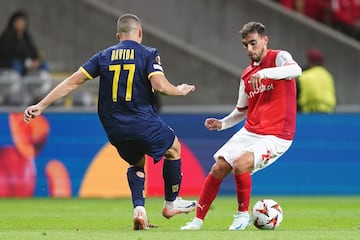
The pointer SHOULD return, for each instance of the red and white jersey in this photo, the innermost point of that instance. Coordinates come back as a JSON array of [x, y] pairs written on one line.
[[272, 106]]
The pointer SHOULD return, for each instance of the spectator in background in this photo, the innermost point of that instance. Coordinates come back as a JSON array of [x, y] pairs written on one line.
[[346, 16], [315, 87], [289, 4], [343, 15], [17, 49], [19, 53], [318, 10]]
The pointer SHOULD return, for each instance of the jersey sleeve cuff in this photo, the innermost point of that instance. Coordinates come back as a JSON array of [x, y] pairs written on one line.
[[85, 72], [154, 73]]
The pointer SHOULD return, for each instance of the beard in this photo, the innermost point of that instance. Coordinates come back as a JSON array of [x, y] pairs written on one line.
[[257, 57]]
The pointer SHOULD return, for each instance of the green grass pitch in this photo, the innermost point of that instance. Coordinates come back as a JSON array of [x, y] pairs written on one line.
[[305, 218]]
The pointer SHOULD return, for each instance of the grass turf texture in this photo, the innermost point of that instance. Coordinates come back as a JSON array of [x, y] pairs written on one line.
[[44, 218]]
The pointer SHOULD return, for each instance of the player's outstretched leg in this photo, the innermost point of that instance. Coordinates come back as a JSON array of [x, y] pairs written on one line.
[[241, 221], [172, 208], [172, 183], [140, 218]]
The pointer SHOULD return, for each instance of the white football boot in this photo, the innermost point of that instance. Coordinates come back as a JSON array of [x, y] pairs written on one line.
[[178, 206], [241, 221], [195, 224]]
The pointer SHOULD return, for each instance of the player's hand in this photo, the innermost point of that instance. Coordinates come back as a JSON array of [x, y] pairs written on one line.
[[185, 88], [255, 81], [213, 124], [32, 112]]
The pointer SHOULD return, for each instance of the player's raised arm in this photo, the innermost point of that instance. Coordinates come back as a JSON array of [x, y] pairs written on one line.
[[286, 68], [61, 90], [233, 118], [162, 85]]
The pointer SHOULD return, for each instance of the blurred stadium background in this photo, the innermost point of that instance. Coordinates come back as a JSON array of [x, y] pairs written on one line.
[[199, 43]]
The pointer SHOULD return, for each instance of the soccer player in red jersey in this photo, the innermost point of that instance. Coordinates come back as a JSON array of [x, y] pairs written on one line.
[[129, 73], [267, 99]]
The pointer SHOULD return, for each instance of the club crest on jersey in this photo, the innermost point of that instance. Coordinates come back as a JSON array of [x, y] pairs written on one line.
[[261, 89]]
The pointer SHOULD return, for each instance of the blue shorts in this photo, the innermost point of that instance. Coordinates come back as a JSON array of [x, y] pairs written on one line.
[[154, 141]]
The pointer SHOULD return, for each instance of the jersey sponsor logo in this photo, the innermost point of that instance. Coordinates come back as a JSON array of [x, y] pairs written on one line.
[[261, 89]]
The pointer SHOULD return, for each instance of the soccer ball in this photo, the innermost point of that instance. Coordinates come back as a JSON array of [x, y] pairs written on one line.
[[267, 214]]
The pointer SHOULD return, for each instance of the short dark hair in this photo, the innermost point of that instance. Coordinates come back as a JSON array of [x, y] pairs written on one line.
[[125, 22], [252, 27]]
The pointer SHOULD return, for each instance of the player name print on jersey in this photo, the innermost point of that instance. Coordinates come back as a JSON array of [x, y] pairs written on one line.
[[123, 54]]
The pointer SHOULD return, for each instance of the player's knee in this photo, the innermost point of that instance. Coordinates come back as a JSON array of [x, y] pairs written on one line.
[[169, 155], [174, 152], [220, 169], [243, 165]]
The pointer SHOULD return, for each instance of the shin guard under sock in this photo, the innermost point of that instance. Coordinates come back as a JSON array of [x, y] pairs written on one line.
[[208, 194], [243, 190], [136, 180], [172, 178]]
